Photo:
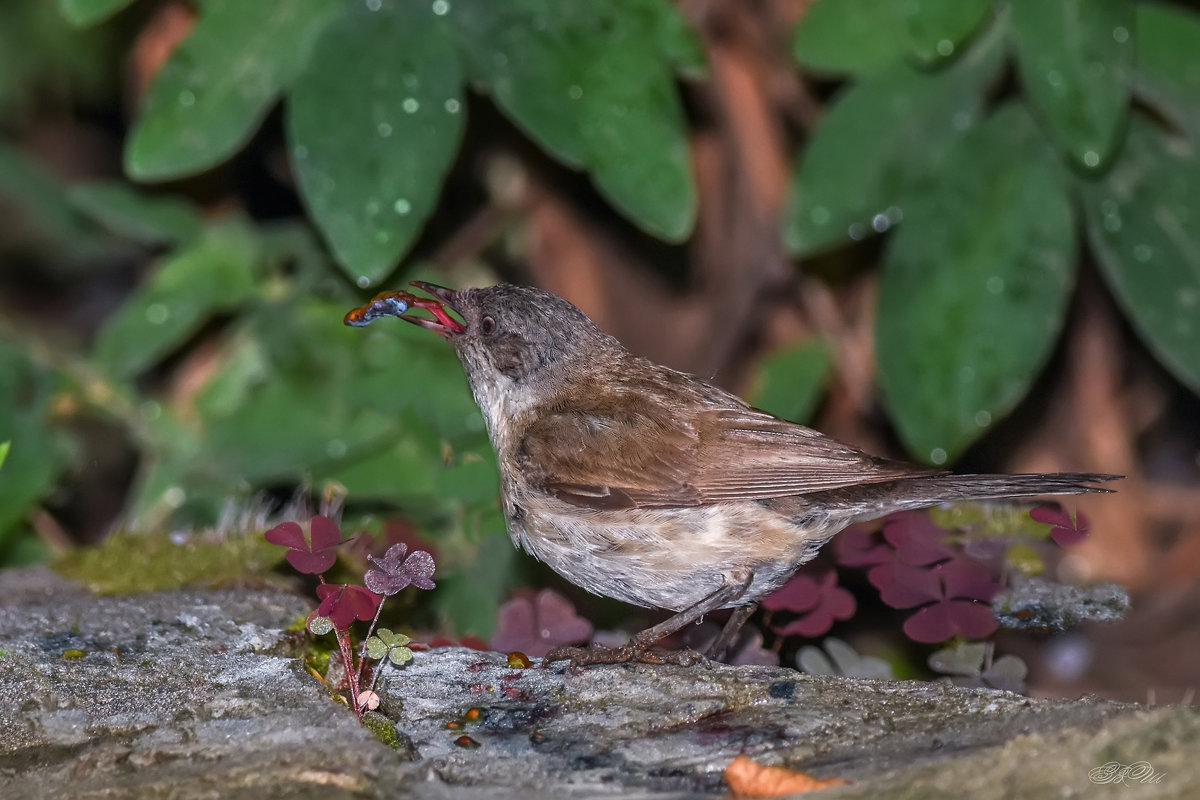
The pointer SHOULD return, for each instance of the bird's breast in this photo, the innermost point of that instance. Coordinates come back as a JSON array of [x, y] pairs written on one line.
[[662, 557]]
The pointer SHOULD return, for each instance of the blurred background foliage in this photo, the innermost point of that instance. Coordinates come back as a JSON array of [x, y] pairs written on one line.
[[196, 192]]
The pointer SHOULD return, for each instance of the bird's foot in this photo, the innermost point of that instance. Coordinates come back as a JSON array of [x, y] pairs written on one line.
[[600, 654]]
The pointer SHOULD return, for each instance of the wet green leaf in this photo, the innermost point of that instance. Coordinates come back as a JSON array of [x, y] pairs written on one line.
[[213, 92], [1143, 222], [876, 146], [849, 37], [592, 84], [791, 381], [374, 124], [1167, 73], [469, 597], [36, 455], [141, 217], [216, 273], [975, 288], [89, 12], [937, 28], [1074, 59], [672, 34], [41, 203]]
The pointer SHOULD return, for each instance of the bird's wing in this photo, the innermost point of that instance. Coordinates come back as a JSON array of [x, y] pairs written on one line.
[[641, 456]]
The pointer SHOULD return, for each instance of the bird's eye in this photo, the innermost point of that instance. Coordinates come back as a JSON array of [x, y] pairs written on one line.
[[487, 326]]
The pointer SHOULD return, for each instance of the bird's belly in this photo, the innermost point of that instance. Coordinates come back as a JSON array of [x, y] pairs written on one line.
[[666, 558]]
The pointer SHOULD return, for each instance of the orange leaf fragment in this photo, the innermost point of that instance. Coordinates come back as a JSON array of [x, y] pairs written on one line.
[[747, 780]]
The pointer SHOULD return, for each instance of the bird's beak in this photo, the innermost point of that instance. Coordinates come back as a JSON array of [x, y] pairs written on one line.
[[444, 325], [396, 304]]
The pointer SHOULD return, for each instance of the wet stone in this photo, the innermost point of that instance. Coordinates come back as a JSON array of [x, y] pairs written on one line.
[[201, 693]]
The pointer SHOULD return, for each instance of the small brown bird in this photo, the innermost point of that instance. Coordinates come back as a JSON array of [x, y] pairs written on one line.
[[653, 487]]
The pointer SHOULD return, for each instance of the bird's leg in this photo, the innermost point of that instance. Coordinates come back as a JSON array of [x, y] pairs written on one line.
[[719, 649], [640, 646]]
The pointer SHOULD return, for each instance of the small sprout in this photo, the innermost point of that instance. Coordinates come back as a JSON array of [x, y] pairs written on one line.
[[368, 699], [393, 646], [73, 654], [310, 557], [344, 603], [395, 572], [518, 660], [467, 743]]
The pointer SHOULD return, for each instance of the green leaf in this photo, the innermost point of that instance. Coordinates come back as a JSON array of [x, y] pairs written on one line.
[[213, 92], [135, 215], [400, 655], [937, 28], [393, 639], [376, 648], [45, 59], [4, 448], [216, 273], [790, 381], [1142, 223], [88, 12], [672, 33], [875, 147], [975, 288], [41, 202], [469, 598], [1168, 39], [1074, 59], [848, 37], [374, 125], [34, 455], [592, 84]]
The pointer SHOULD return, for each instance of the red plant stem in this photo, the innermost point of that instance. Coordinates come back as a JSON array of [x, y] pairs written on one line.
[[343, 638], [362, 656]]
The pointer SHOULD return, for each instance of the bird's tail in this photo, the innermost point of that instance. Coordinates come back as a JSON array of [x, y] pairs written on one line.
[[923, 491]]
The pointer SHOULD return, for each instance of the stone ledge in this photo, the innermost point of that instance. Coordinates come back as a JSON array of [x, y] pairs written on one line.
[[194, 694]]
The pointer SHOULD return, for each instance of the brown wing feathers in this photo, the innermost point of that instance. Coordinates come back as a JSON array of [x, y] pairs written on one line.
[[728, 453]]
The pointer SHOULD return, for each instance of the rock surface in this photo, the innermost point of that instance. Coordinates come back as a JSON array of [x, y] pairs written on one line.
[[198, 694]]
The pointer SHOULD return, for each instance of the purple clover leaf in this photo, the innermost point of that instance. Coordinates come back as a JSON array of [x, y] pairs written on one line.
[[537, 625], [861, 547], [960, 590], [314, 555], [395, 572], [343, 603], [916, 539], [819, 601], [1067, 530]]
